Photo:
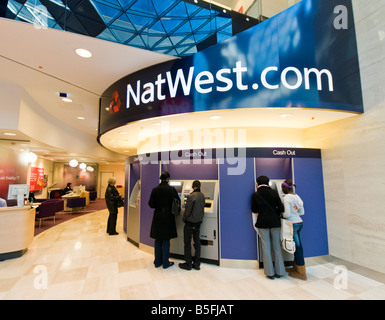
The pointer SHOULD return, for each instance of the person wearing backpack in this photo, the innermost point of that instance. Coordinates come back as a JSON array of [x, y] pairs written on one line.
[[163, 226], [192, 218], [293, 210], [267, 205]]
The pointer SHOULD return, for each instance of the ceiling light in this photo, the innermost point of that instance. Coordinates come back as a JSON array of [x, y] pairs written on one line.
[[31, 157], [73, 163], [285, 115], [66, 99], [9, 134], [215, 117], [123, 132], [81, 118], [83, 53]]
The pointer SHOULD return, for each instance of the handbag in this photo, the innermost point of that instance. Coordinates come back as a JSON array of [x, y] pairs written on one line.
[[120, 202], [287, 239], [176, 203], [175, 209]]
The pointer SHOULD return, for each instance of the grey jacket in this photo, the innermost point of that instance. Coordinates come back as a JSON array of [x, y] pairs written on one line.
[[195, 206]]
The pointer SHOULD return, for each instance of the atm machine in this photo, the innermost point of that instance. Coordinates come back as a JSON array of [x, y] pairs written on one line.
[[209, 229], [133, 219], [288, 258]]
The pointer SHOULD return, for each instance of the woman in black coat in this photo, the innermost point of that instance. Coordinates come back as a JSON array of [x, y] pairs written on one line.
[[112, 196], [163, 227], [268, 206]]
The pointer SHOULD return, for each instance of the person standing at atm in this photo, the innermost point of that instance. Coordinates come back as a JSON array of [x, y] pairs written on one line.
[[163, 226], [293, 210], [267, 205], [192, 218]]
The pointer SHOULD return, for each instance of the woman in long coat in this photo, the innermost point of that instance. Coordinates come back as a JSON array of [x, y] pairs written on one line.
[[112, 196], [163, 227]]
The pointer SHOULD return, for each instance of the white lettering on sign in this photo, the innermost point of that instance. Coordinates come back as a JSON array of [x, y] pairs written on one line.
[[205, 82], [284, 152]]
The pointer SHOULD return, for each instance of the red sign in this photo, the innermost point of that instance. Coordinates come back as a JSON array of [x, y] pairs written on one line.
[[37, 179]]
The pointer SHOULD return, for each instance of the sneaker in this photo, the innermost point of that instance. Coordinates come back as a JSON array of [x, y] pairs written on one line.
[[185, 266]]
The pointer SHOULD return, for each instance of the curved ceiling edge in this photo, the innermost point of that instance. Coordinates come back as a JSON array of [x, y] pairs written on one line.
[[297, 59]]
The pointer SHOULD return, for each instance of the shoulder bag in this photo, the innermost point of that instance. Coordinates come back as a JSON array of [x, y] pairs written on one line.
[[287, 240], [176, 205]]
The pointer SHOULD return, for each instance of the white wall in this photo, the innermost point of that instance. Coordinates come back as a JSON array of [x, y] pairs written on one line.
[[353, 154], [37, 124], [9, 106]]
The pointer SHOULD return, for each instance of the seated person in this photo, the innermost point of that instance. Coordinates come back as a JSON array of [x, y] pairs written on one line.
[[31, 197], [68, 188], [3, 203]]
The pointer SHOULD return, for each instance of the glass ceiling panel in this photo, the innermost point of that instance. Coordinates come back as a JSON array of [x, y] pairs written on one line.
[[123, 22], [173, 27], [162, 6], [143, 6], [106, 12]]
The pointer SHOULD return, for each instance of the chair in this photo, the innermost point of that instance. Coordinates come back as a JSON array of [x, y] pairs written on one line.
[[56, 194], [93, 195], [85, 194], [40, 200], [47, 209], [59, 203], [76, 203]]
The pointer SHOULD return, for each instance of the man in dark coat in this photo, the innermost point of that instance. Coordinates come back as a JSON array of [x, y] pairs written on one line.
[[268, 206], [163, 227]]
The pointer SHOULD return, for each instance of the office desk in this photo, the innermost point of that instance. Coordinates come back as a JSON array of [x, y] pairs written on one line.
[[17, 227]]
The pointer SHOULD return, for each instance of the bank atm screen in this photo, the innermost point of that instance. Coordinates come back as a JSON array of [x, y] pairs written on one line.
[[208, 189], [178, 185], [275, 184]]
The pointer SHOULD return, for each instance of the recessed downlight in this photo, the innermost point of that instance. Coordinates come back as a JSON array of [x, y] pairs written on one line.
[[66, 99], [9, 134], [81, 118], [215, 117], [83, 53]]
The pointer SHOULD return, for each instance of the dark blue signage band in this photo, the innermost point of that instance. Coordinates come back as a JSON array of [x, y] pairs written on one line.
[[299, 58]]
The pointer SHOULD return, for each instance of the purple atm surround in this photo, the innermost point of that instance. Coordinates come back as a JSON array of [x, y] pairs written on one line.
[[237, 235]]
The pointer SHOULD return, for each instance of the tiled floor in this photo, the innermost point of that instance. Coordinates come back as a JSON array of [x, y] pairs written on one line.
[[78, 260]]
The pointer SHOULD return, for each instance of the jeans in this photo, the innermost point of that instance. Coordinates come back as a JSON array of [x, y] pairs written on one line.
[[298, 254], [162, 253], [192, 230]]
